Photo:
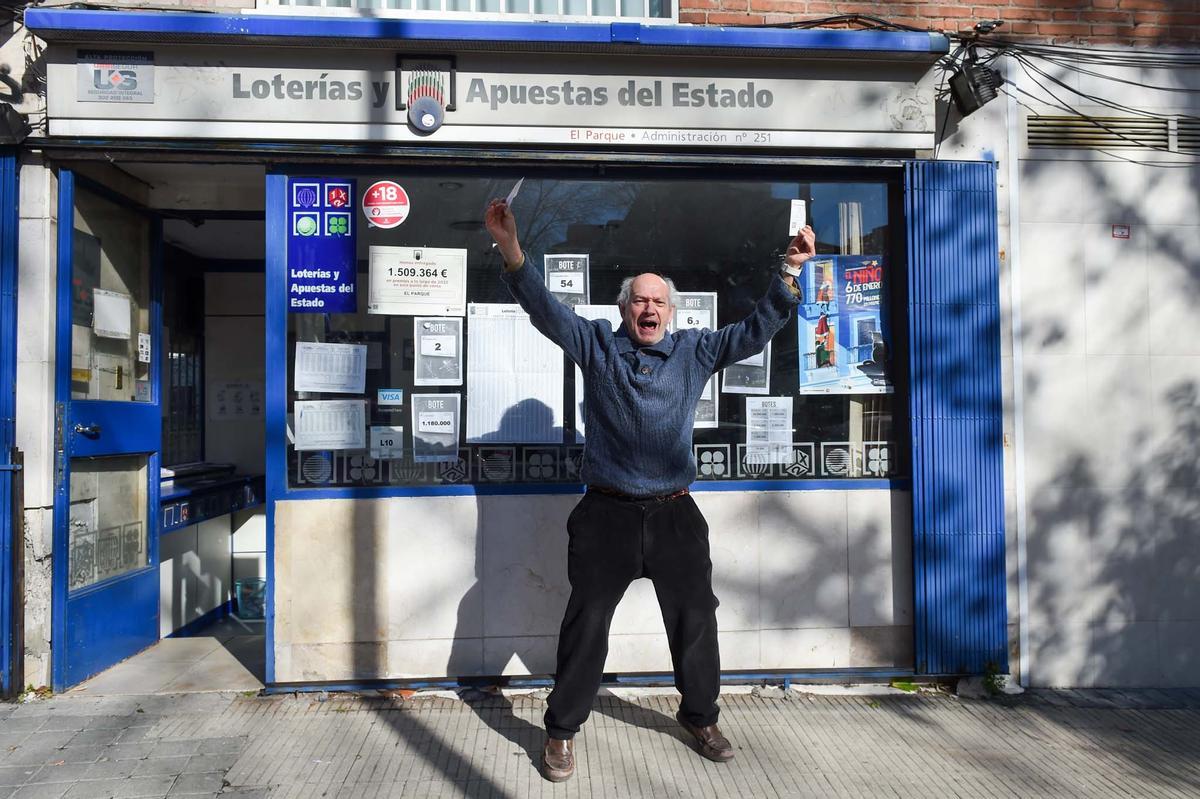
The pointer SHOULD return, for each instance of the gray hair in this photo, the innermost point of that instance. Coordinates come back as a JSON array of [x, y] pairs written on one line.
[[627, 289]]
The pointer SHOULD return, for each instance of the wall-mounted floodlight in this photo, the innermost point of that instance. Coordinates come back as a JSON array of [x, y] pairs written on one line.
[[973, 85]]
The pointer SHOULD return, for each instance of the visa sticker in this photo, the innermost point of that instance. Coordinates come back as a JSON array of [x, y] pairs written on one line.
[[390, 396]]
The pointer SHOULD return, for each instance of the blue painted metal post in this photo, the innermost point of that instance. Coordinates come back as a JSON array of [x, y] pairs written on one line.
[[276, 402], [62, 463], [9, 604], [955, 406]]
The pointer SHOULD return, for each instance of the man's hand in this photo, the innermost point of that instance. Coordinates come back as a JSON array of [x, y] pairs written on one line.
[[501, 223], [801, 248]]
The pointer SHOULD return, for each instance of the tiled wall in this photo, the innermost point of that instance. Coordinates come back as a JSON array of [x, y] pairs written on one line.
[[436, 586]]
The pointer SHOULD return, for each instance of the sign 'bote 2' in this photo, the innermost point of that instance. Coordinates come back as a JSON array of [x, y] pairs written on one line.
[[385, 204]]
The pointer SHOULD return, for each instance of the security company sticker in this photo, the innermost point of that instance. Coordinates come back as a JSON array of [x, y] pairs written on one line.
[[385, 204]]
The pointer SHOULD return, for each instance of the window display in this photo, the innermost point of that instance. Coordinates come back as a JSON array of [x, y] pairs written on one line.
[[411, 365]]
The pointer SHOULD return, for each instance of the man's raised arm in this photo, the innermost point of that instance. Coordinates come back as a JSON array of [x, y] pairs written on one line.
[[552, 319]]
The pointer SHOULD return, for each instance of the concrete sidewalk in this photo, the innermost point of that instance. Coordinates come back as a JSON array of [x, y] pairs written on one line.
[[790, 744]]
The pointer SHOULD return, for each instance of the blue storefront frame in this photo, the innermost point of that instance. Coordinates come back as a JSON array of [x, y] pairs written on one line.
[[9, 222]]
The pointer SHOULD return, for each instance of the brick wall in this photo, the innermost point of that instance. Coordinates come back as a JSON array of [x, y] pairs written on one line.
[[1159, 22]]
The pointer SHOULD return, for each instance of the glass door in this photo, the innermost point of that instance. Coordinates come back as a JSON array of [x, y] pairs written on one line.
[[108, 432]]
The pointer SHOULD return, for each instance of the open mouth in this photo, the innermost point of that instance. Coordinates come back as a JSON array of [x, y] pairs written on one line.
[[647, 325]]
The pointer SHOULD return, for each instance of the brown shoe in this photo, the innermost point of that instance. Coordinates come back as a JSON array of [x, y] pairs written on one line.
[[713, 744], [558, 760]]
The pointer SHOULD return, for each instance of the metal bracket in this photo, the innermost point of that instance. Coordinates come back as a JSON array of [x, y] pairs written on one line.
[[11, 467]]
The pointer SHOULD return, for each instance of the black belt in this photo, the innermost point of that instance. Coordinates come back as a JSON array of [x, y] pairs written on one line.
[[608, 492]]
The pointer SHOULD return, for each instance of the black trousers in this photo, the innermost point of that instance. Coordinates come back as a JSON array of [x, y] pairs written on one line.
[[614, 541]]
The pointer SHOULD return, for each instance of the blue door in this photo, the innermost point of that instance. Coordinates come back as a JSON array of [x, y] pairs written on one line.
[[108, 431]]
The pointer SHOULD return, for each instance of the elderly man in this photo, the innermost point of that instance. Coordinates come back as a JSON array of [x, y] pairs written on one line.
[[641, 386]]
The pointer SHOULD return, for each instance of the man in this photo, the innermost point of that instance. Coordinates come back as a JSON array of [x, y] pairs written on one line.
[[641, 386]]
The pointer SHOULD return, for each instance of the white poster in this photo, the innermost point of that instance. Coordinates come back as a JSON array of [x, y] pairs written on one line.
[[330, 424], [698, 310], [144, 348], [797, 218], [417, 281], [330, 368], [437, 345], [514, 378], [613, 314], [435, 423], [750, 375], [769, 429], [111, 314]]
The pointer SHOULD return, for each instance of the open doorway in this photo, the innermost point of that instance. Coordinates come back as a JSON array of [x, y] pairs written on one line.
[[210, 535]]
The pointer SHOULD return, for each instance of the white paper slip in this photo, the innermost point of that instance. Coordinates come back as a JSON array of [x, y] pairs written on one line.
[[330, 368], [110, 314], [143, 348], [798, 217], [330, 424], [512, 195], [439, 346], [693, 318], [769, 428], [567, 282], [386, 443]]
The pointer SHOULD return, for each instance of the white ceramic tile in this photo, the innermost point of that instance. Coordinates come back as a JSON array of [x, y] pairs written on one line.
[[733, 536], [638, 613], [1061, 567], [1059, 655], [335, 662], [437, 657], [435, 569], [535, 654], [881, 647], [1125, 655], [38, 197], [640, 652], [1055, 393], [524, 564], [1179, 644], [803, 559], [873, 595], [1173, 264], [1115, 419], [785, 650], [740, 650], [1050, 191], [1116, 292], [35, 291], [35, 432], [1052, 290]]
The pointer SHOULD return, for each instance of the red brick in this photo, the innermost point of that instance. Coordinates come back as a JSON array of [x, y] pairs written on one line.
[[692, 17], [1150, 32], [1065, 16], [1106, 16], [1123, 32], [1020, 27], [1064, 28], [726, 18], [1146, 5], [1024, 14], [735, 5], [952, 12], [772, 5], [821, 8]]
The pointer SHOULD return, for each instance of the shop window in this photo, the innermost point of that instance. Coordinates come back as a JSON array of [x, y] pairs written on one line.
[[399, 375], [182, 370]]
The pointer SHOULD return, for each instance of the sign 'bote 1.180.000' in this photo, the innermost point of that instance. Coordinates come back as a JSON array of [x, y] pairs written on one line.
[[385, 204]]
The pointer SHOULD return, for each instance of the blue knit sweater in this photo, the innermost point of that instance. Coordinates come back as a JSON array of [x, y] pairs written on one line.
[[639, 404]]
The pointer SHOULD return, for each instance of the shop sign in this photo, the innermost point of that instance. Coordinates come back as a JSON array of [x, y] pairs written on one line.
[[321, 245]]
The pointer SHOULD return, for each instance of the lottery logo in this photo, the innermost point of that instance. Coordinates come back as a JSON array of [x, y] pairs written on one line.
[[541, 465], [799, 462], [337, 196], [496, 464], [306, 195], [454, 471], [712, 461]]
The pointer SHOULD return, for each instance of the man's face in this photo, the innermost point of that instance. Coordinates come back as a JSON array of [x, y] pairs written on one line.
[[649, 310]]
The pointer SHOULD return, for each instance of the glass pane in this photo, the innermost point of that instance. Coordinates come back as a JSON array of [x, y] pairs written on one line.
[[518, 6], [576, 7], [604, 8], [458, 5], [491, 6], [110, 309], [107, 518], [839, 360], [545, 6], [632, 8]]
